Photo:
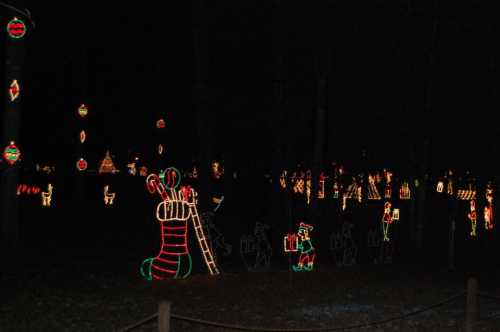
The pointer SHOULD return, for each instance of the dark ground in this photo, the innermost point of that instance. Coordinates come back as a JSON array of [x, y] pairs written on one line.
[[89, 292]]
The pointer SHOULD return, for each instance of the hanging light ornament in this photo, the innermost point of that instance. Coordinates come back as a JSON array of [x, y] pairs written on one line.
[[16, 28], [14, 90], [83, 110], [11, 153], [81, 165], [83, 136], [386, 221]]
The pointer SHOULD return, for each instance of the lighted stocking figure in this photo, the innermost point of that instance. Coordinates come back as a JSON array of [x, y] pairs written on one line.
[[173, 213], [472, 215], [488, 209], [386, 221], [304, 245]]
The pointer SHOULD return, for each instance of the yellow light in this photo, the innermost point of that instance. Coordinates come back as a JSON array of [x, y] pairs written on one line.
[[47, 196]]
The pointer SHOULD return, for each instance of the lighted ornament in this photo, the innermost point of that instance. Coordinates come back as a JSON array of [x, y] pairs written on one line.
[[83, 110], [404, 191], [11, 153], [46, 169], [109, 197], [488, 208], [173, 213], [83, 136], [386, 220], [132, 170], [301, 243], [81, 165], [14, 90], [472, 215], [107, 165], [16, 28], [47, 196], [160, 124], [160, 149], [373, 193], [440, 187]]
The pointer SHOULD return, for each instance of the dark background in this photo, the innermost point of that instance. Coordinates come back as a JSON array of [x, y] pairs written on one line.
[[133, 63]]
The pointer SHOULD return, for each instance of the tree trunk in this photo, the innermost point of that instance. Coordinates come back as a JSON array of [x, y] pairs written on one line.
[[427, 118], [201, 104], [14, 58]]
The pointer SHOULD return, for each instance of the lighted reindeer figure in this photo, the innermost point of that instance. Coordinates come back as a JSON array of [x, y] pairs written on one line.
[[173, 213], [47, 196], [109, 197]]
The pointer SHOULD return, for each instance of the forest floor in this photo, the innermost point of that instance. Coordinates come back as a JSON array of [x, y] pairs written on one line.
[[106, 293]]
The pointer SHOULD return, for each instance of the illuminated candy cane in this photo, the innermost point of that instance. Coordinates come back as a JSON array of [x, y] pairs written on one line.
[[472, 215]]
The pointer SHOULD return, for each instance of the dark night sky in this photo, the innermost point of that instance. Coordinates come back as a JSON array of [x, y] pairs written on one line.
[[139, 64]]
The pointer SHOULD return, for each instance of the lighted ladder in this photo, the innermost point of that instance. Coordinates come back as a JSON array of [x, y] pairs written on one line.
[[202, 240]]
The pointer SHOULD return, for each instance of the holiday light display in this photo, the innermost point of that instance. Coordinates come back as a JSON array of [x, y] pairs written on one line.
[[83, 136], [373, 193], [27, 189], [14, 90], [107, 165], [466, 194], [160, 124], [143, 171], [81, 164], [258, 247], [472, 215], [298, 186], [301, 243], [46, 169], [176, 208], [160, 149], [404, 191], [336, 190], [83, 110], [440, 186], [47, 196], [11, 153], [388, 185], [217, 170], [16, 28], [449, 186], [488, 208], [387, 220], [109, 197], [308, 183], [283, 179], [321, 189]]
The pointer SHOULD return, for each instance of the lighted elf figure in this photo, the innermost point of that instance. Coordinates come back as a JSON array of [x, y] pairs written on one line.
[[386, 220], [472, 215], [306, 249], [488, 209]]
